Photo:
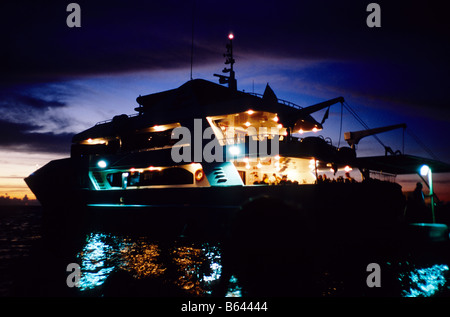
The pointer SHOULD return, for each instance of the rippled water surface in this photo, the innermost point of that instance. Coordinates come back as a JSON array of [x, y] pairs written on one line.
[[124, 264], [179, 267]]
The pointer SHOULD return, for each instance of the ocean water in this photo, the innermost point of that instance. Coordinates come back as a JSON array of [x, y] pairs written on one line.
[[144, 264]]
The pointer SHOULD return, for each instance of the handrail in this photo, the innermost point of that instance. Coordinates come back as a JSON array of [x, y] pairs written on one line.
[[110, 120], [285, 102]]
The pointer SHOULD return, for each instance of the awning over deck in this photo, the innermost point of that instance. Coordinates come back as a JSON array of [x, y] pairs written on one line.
[[401, 164]]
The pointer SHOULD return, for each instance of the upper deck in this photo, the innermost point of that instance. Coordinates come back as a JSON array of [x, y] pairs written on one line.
[[231, 114]]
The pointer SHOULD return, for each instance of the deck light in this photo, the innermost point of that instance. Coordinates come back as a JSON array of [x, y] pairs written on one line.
[[424, 171], [158, 128], [199, 175], [234, 150], [102, 164]]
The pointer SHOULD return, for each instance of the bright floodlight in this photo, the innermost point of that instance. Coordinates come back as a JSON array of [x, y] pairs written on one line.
[[234, 150], [101, 164], [231, 36], [424, 170]]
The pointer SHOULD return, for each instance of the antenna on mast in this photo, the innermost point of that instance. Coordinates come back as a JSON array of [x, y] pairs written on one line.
[[231, 80], [192, 36]]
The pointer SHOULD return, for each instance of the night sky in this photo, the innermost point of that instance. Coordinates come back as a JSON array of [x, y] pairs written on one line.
[[56, 81]]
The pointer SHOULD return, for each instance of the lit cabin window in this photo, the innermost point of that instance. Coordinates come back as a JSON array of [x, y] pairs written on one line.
[[154, 177], [234, 128], [156, 136], [94, 141]]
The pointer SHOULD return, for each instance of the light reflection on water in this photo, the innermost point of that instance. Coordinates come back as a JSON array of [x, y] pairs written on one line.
[[191, 267], [234, 290], [98, 258], [425, 282], [195, 268]]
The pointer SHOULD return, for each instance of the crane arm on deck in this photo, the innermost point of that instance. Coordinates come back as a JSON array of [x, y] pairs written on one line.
[[353, 138], [321, 105]]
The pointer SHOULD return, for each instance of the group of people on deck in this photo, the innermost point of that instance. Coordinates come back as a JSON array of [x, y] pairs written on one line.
[[274, 179], [324, 179]]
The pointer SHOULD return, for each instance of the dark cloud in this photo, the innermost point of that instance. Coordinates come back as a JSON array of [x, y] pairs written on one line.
[[114, 37], [119, 36], [25, 100], [24, 111], [406, 59], [18, 136], [21, 108]]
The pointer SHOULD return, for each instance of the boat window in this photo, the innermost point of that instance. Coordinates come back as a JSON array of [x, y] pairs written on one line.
[[115, 179], [168, 176], [234, 128], [147, 140]]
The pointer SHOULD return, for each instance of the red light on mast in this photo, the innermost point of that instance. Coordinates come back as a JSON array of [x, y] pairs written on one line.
[[231, 36]]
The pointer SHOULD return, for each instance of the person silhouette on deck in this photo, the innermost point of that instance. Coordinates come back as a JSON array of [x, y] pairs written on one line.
[[416, 205], [418, 196]]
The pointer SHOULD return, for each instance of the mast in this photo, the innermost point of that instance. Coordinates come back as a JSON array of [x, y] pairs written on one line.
[[231, 80]]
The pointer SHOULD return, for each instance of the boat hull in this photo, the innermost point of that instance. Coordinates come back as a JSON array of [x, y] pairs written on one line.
[[343, 210]]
